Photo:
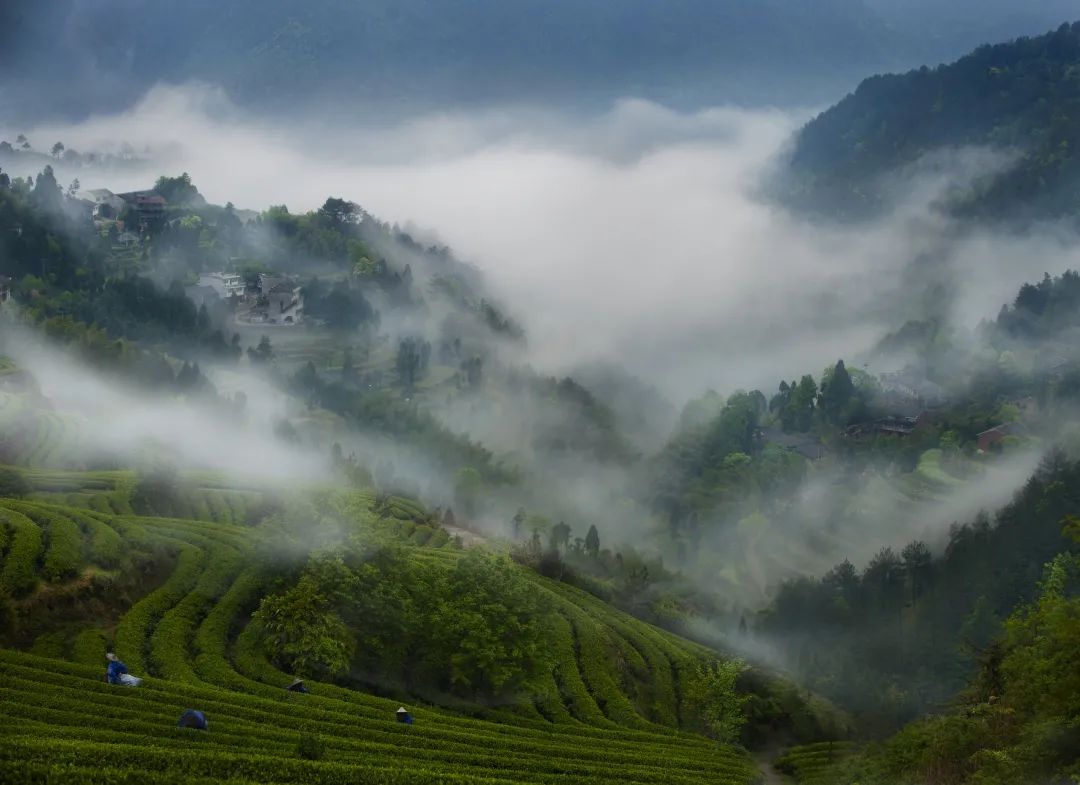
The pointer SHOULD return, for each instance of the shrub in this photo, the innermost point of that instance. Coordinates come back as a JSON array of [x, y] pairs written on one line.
[[310, 747], [13, 483]]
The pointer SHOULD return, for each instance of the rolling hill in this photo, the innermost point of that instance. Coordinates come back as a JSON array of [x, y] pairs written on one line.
[[1020, 99], [79, 572]]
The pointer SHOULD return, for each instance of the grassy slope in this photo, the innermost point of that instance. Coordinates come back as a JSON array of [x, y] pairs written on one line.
[[597, 722]]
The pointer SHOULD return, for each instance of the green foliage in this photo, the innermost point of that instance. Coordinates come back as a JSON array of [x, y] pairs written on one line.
[[310, 747], [714, 693], [176, 190], [1018, 95], [490, 631], [302, 630], [901, 638], [18, 575], [13, 483]]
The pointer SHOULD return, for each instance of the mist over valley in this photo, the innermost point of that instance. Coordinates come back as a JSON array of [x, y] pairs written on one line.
[[731, 417]]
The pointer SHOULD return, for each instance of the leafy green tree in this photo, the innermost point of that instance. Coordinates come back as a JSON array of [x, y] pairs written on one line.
[[13, 483], [798, 413], [714, 692], [176, 190], [490, 626], [339, 213], [303, 632], [57, 149]]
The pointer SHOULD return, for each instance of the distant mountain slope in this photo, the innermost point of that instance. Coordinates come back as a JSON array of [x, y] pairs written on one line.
[[75, 56], [1022, 96]]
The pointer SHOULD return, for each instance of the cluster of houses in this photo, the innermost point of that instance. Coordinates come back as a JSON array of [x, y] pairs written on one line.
[[914, 403], [104, 207], [274, 299]]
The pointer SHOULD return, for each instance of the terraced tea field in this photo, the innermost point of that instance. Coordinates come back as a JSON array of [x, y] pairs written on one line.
[[611, 711]]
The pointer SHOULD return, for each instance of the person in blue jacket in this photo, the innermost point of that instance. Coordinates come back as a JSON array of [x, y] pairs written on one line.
[[404, 716], [117, 672], [193, 718]]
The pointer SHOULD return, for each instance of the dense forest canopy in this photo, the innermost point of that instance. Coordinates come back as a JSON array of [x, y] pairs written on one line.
[[1021, 98]]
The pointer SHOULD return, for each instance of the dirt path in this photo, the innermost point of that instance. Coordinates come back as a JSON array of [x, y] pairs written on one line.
[[468, 539], [769, 774]]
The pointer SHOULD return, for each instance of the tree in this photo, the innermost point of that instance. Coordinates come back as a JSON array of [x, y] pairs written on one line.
[[73, 189], [412, 360], [46, 193], [13, 483], [264, 353], [57, 149], [884, 578], [560, 536], [338, 213], [798, 414], [917, 562], [491, 633], [518, 519], [592, 542], [176, 190], [714, 692], [22, 141], [303, 632], [836, 393]]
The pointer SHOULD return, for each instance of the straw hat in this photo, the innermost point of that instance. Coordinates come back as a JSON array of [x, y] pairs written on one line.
[[110, 656], [402, 710]]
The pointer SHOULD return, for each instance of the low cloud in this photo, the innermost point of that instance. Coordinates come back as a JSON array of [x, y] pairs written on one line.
[[636, 236]]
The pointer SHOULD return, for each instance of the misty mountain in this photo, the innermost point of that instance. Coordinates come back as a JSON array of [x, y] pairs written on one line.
[[1021, 99], [389, 56]]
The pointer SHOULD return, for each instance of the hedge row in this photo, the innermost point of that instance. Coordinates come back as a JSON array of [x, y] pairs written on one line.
[[111, 706], [442, 731], [132, 635], [65, 710], [64, 548], [170, 643], [20, 573]]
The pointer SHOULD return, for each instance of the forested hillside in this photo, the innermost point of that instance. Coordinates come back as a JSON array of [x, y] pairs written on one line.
[[1021, 99]]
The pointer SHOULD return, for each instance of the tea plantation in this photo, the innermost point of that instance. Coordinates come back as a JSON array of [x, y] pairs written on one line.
[[81, 573]]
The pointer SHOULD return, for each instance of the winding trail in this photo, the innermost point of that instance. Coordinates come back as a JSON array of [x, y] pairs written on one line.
[[769, 774]]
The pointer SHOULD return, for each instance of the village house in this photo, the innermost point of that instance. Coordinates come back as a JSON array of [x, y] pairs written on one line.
[[891, 425], [149, 206], [225, 285], [107, 205], [285, 304], [279, 301], [986, 440]]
